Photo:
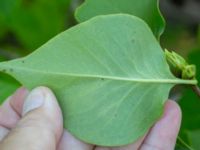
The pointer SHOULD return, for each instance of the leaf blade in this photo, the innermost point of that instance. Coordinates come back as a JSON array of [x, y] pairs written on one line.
[[150, 11], [76, 65]]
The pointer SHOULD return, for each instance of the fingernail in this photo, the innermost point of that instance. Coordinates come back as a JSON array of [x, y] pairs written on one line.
[[34, 100]]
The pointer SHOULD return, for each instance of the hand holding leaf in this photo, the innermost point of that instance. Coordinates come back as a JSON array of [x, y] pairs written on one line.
[[110, 76]]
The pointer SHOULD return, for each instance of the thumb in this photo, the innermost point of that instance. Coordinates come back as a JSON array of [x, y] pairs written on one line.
[[41, 125]]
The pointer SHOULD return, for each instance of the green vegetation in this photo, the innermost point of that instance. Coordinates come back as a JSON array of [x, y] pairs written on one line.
[[112, 60]]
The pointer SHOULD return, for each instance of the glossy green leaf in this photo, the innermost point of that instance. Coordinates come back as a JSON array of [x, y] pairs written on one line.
[[145, 9], [109, 75]]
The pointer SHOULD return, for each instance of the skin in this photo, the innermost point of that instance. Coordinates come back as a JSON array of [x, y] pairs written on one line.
[[28, 121]]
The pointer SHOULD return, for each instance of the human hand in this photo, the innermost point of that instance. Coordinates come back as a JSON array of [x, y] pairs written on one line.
[[33, 121]]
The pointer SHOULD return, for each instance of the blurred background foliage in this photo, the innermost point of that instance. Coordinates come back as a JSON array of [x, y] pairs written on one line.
[[27, 24]]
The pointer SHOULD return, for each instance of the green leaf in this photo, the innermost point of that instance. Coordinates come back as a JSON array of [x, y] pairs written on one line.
[[7, 85], [199, 35], [6, 8], [194, 137], [145, 9], [2, 28], [190, 104], [34, 22], [182, 145], [109, 75]]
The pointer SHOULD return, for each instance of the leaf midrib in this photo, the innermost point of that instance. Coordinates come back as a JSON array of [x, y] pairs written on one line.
[[167, 81]]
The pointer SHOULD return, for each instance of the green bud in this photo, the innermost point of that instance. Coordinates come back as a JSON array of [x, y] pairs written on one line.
[[175, 60], [189, 72]]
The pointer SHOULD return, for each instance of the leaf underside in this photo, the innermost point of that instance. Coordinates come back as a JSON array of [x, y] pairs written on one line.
[[145, 9], [109, 75]]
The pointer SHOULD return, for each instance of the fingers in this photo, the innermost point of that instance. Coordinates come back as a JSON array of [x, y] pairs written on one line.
[[9, 114], [133, 146], [164, 133], [17, 100], [38, 121], [69, 142], [3, 132], [40, 126]]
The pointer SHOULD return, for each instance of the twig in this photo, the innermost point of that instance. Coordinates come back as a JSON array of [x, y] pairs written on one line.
[[196, 89]]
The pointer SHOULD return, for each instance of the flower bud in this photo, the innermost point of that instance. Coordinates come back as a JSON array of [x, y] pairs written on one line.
[[175, 60], [189, 72]]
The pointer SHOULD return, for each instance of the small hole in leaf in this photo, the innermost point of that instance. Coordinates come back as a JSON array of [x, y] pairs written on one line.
[[102, 79]]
